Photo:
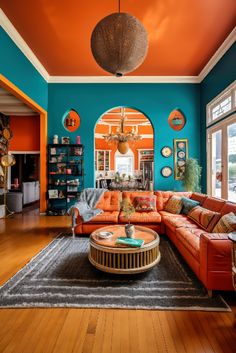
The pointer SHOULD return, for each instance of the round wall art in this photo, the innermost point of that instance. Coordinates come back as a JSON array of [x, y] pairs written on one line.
[[166, 172], [176, 120], [166, 151], [71, 121]]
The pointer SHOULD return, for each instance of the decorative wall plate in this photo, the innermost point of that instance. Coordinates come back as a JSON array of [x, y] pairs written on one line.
[[176, 120], [181, 154], [7, 133], [166, 151], [166, 172], [181, 163]]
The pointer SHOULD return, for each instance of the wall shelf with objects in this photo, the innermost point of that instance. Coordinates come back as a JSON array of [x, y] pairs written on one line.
[[102, 160], [65, 176]]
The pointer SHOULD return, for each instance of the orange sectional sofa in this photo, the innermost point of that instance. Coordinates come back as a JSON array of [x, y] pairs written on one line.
[[208, 254]]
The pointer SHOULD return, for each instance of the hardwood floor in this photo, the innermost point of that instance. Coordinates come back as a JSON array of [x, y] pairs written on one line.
[[96, 330]]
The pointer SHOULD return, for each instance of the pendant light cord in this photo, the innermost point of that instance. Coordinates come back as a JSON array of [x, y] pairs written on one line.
[[119, 6]]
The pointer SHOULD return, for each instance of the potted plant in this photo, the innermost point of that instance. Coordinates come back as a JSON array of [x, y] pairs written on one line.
[[192, 175], [128, 209]]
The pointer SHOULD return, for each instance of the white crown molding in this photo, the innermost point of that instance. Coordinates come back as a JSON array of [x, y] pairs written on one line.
[[123, 79], [229, 41], [22, 45]]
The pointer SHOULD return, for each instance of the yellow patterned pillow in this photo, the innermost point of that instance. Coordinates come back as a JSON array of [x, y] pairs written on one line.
[[226, 224], [174, 205]]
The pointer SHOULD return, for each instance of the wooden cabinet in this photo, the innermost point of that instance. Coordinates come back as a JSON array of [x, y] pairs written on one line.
[[102, 160]]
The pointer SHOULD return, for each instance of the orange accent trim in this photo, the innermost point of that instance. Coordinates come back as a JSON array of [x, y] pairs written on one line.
[[10, 87]]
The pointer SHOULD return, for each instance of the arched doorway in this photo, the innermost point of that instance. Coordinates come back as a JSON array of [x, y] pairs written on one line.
[[124, 150]]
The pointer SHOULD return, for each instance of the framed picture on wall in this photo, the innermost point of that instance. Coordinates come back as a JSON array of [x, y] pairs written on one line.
[[65, 140], [180, 157]]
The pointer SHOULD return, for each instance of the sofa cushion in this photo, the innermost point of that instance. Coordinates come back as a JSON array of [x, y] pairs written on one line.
[[205, 218], [177, 222], [164, 196], [226, 224], [145, 203], [188, 205], [213, 204], [106, 217], [228, 207], [174, 205], [196, 196], [110, 201], [130, 195], [190, 238], [141, 217]]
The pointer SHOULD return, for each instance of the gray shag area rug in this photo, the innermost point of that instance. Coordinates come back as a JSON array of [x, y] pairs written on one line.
[[62, 276]]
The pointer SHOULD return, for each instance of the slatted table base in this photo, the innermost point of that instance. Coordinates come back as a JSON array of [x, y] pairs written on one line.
[[124, 260]]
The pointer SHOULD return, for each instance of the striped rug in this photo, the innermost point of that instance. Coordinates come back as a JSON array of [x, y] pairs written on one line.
[[61, 276]]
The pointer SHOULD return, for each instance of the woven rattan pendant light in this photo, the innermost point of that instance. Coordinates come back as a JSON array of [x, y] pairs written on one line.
[[119, 43]]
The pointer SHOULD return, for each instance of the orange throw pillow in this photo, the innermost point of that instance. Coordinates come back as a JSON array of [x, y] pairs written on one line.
[[205, 218]]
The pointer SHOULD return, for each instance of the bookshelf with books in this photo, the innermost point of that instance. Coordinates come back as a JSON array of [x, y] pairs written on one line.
[[65, 176]]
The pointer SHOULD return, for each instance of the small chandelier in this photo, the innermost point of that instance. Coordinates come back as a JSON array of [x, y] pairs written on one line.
[[119, 43], [121, 137]]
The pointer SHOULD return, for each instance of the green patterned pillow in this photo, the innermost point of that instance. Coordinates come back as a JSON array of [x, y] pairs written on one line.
[[174, 205], [226, 224]]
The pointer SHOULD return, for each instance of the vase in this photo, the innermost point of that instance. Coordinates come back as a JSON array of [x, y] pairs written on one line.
[[129, 230]]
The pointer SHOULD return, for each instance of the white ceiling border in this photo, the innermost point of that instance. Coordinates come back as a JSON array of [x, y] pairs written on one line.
[[123, 79], [23, 46]]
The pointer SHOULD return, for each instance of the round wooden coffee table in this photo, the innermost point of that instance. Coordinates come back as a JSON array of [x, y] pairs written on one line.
[[107, 256]]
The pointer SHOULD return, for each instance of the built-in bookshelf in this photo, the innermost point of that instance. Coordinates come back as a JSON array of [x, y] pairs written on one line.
[[65, 176]]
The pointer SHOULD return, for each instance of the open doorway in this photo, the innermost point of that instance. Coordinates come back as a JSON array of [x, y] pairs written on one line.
[[20, 112], [124, 145]]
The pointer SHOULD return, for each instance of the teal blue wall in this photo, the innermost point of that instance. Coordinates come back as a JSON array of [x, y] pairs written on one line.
[[156, 101], [221, 76], [17, 69]]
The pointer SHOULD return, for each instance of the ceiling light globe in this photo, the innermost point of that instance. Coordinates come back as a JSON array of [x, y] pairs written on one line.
[[119, 43]]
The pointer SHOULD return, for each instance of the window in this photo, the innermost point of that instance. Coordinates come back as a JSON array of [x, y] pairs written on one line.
[[221, 152], [124, 164], [222, 105]]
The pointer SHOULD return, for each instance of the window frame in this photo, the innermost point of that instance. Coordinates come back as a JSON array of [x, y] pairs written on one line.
[[230, 91]]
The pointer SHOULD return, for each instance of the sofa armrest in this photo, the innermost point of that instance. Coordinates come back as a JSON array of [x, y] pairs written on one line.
[[215, 258]]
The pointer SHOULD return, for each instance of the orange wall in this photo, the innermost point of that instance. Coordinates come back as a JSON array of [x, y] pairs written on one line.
[[26, 133], [101, 144]]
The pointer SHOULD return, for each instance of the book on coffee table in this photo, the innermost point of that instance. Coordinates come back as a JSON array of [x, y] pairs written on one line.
[[137, 243]]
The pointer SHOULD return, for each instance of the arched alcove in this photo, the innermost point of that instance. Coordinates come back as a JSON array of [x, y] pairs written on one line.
[[127, 134]]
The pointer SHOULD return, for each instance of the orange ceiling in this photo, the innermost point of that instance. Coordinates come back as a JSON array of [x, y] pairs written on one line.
[[183, 34]]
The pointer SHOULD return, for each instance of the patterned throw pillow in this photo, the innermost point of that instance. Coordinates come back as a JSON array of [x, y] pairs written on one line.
[[204, 218], [174, 205], [145, 203], [226, 224], [188, 205]]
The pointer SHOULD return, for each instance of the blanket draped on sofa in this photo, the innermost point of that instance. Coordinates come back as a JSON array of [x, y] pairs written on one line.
[[86, 204]]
